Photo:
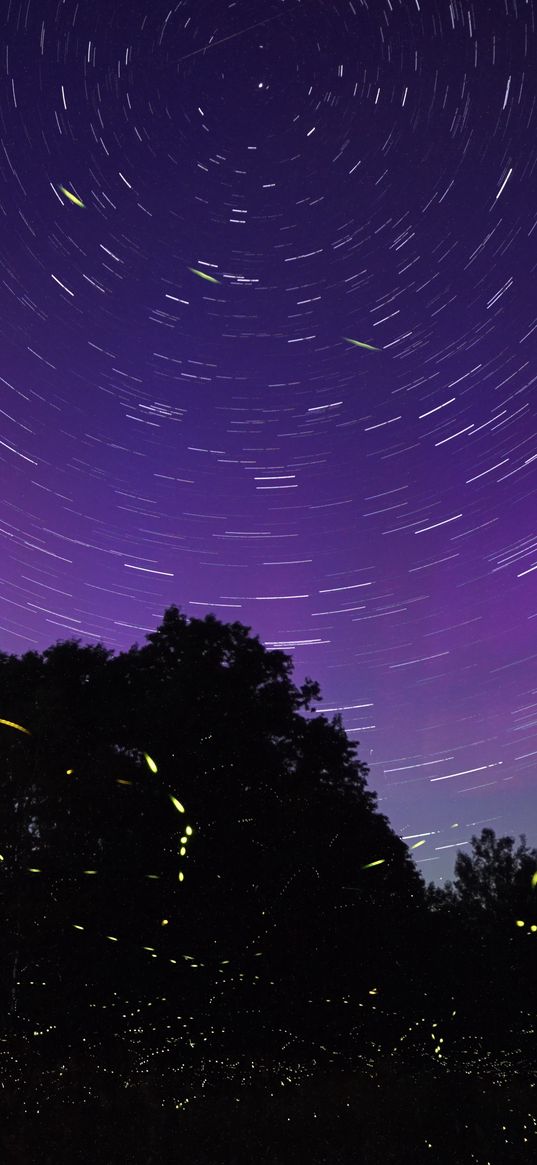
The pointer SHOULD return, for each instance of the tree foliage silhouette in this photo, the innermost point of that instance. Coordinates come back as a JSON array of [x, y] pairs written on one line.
[[281, 822], [492, 884], [482, 925]]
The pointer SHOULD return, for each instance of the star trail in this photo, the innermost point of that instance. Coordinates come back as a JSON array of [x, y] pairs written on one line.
[[363, 346]]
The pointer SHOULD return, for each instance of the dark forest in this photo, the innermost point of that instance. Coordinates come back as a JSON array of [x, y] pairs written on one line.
[[210, 933]]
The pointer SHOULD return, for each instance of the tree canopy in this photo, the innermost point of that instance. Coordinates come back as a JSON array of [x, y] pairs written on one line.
[[184, 802], [181, 821], [484, 928], [493, 884]]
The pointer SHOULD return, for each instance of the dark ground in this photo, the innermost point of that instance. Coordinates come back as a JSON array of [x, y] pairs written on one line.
[[83, 1109]]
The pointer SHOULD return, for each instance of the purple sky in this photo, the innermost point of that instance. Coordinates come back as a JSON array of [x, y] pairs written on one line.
[[362, 170]]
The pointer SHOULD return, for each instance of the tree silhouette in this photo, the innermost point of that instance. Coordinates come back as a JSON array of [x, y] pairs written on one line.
[[492, 884], [182, 806], [482, 922]]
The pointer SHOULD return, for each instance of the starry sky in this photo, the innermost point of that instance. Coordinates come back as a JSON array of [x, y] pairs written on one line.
[[341, 171]]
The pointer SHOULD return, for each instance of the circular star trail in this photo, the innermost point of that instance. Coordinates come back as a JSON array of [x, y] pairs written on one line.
[[268, 329]]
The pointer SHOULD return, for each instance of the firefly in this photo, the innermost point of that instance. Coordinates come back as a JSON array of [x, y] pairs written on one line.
[[72, 197], [359, 344], [203, 275], [11, 724]]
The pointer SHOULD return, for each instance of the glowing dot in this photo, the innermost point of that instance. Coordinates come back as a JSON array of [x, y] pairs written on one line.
[[150, 763], [188, 830], [77, 927], [69, 772], [181, 876], [370, 865], [519, 922], [534, 879], [180, 808], [533, 927], [112, 939], [164, 922], [31, 870], [89, 871]]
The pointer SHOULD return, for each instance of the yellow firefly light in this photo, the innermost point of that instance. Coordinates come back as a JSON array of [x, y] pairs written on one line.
[[11, 724], [72, 197], [203, 275], [359, 344]]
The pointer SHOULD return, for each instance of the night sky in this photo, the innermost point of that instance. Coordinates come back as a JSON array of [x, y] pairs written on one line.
[[343, 171]]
